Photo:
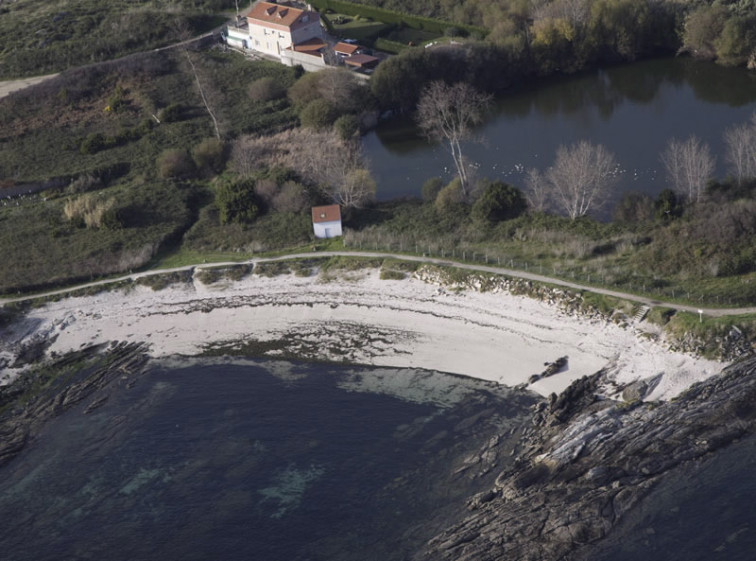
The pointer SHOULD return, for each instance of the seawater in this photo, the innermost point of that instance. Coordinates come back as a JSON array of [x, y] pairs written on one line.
[[253, 460]]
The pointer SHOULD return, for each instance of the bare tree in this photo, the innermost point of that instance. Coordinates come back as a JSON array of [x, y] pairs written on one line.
[[449, 113], [322, 159], [183, 33], [689, 165], [741, 150], [581, 178]]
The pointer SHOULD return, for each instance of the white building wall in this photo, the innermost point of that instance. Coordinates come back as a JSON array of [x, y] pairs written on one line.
[[269, 41], [327, 229], [238, 38]]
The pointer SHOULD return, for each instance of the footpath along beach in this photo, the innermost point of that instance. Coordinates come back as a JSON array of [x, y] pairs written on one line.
[[360, 318]]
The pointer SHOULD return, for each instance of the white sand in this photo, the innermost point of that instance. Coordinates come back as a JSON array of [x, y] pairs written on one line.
[[398, 323]]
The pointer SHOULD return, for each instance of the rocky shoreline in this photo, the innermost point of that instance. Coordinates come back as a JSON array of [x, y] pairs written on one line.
[[587, 462], [49, 390], [582, 466]]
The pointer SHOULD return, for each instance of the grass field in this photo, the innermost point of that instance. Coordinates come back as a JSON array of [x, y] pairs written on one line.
[[45, 37]]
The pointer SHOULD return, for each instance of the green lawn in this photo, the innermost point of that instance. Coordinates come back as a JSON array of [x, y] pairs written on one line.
[[363, 30]]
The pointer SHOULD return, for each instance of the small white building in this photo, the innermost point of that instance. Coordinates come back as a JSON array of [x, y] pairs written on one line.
[[274, 28], [326, 221]]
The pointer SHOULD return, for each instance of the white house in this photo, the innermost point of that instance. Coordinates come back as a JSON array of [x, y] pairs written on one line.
[[326, 221], [274, 28]]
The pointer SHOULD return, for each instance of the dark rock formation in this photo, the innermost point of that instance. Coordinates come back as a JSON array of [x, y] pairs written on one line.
[[50, 389], [588, 461]]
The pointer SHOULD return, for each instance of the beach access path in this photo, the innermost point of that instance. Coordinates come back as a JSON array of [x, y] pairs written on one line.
[[514, 273]]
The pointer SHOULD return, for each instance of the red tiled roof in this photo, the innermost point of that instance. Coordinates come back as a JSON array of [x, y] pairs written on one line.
[[328, 213], [310, 45], [345, 48], [362, 61], [277, 16]]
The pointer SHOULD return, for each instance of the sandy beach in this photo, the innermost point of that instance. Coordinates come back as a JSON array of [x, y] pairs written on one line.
[[360, 318]]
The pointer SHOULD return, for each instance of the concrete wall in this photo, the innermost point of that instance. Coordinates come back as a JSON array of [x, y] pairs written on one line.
[[310, 63]]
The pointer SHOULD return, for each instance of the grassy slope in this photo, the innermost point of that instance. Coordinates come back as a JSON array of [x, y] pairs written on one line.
[[41, 133], [44, 37]]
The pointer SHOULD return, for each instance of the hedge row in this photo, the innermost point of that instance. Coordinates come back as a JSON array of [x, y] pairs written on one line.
[[388, 46], [390, 16]]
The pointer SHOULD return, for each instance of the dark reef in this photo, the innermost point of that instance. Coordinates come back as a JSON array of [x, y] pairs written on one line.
[[587, 462]]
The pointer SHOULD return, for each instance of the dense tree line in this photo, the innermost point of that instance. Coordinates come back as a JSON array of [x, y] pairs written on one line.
[[537, 38]]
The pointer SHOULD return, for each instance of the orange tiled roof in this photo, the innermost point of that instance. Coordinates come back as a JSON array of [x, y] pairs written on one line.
[[310, 46], [362, 61], [278, 16], [346, 48], [329, 213]]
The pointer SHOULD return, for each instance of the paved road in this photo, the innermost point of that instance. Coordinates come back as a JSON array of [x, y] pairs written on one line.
[[713, 312]]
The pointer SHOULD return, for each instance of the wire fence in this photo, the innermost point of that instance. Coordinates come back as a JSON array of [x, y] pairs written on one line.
[[614, 278]]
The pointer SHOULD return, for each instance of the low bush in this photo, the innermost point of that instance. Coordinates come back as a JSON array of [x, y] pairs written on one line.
[[265, 89], [209, 155], [176, 163]]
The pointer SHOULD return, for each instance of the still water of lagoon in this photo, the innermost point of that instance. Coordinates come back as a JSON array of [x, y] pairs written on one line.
[[254, 460], [633, 110]]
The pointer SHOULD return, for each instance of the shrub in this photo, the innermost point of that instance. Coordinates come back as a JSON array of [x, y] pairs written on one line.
[[305, 90], [210, 155], [93, 143], [450, 197], [293, 197], [265, 89], [318, 115], [347, 126], [236, 200], [431, 188], [89, 211], [266, 189], [85, 182], [176, 163], [498, 202], [667, 205], [171, 114], [634, 207]]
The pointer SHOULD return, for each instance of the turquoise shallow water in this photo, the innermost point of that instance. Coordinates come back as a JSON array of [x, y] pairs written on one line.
[[265, 460]]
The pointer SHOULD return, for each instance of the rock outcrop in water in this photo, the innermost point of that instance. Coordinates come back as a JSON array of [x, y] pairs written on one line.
[[47, 391], [588, 461]]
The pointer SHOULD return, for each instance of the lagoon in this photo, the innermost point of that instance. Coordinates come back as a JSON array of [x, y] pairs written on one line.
[[633, 110]]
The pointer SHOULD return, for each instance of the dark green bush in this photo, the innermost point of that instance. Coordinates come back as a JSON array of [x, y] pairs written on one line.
[[498, 201], [236, 200], [348, 126], [318, 115]]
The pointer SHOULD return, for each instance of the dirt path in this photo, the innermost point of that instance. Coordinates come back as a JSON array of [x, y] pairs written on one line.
[[11, 86], [713, 312]]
